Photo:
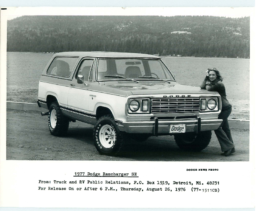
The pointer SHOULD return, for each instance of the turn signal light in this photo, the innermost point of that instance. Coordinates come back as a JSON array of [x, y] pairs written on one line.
[[145, 105], [203, 104]]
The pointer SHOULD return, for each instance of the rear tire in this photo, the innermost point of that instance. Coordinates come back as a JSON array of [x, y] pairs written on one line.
[[193, 141], [107, 136], [57, 123]]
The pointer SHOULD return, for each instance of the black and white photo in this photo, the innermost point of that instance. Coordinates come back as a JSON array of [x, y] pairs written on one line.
[[127, 108]]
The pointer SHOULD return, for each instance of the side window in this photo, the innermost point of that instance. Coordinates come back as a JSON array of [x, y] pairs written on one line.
[[85, 68], [62, 67]]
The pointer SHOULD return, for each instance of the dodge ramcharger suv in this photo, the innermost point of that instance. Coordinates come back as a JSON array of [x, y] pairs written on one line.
[[125, 95]]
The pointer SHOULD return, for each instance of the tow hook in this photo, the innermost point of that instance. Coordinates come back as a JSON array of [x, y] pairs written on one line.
[[45, 113]]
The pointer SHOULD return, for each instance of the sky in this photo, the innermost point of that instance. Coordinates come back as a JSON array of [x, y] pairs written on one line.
[[129, 11]]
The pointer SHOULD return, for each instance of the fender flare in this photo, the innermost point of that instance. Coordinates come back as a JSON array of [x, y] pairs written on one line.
[[104, 105]]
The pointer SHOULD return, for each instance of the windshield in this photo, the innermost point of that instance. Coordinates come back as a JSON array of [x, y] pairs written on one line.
[[132, 69]]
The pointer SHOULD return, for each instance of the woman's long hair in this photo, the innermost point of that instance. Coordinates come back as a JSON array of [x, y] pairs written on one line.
[[218, 75]]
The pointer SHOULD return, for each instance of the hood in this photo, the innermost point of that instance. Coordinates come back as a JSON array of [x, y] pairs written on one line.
[[153, 87]]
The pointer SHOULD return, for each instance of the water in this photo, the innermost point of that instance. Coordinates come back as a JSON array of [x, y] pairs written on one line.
[[24, 69]]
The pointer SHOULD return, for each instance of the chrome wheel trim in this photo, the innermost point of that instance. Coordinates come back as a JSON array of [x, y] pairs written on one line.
[[53, 118], [107, 136]]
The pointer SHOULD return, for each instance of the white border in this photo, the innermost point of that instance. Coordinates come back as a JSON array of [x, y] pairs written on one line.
[[16, 167]]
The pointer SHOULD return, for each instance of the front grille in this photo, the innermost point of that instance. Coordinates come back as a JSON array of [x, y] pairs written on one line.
[[175, 105]]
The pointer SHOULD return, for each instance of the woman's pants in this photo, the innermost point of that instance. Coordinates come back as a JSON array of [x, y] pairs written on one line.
[[223, 132]]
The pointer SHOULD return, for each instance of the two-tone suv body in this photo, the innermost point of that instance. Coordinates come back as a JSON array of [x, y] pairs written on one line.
[[125, 95]]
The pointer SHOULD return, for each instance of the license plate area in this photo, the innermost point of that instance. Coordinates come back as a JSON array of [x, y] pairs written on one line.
[[180, 128]]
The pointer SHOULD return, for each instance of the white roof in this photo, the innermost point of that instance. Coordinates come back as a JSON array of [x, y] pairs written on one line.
[[105, 54]]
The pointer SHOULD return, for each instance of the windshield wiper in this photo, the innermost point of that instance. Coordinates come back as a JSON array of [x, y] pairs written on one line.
[[150, 77], [114, 76], [119, 76], [168, 80], [147, 76]]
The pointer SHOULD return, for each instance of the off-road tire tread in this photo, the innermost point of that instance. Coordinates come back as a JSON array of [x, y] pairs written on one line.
[[117, 149], [62, 122]]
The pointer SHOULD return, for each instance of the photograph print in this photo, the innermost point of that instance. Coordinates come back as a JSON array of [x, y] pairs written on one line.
[[128, 88]]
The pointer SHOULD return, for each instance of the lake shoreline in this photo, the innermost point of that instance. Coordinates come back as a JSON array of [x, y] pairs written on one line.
[[162, 56]]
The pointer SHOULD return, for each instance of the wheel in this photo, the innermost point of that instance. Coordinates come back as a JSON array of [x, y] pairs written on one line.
[[57, 123], [108, 139], [139, 137], [193, 141]]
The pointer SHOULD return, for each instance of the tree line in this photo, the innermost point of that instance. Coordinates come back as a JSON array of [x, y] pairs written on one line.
[[200, 36]]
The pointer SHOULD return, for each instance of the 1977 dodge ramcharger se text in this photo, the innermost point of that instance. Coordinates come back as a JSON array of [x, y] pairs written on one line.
[[125, 95]]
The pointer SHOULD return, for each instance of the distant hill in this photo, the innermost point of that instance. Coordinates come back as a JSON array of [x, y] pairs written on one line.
[[200, 36]]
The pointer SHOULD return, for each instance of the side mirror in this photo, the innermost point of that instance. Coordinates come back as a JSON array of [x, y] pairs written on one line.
[[80, 79]]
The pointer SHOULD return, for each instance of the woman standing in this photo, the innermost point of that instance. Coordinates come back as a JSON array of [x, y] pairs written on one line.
[[213, 82]]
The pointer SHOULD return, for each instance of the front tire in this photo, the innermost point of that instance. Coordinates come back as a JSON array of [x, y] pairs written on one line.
[[57, 123], [108, 139], [193, 141]]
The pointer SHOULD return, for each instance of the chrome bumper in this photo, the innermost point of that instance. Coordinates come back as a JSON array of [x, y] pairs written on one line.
[[161, 127]]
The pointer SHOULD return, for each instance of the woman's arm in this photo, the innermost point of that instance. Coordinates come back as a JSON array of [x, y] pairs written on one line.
[[203, 85], [208, 87], [219, 86]]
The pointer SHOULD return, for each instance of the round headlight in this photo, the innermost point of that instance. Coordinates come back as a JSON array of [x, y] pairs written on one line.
[[211, 103], [134, 105]]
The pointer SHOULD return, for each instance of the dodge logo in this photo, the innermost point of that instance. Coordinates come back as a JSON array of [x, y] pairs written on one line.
[[177, 96]]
